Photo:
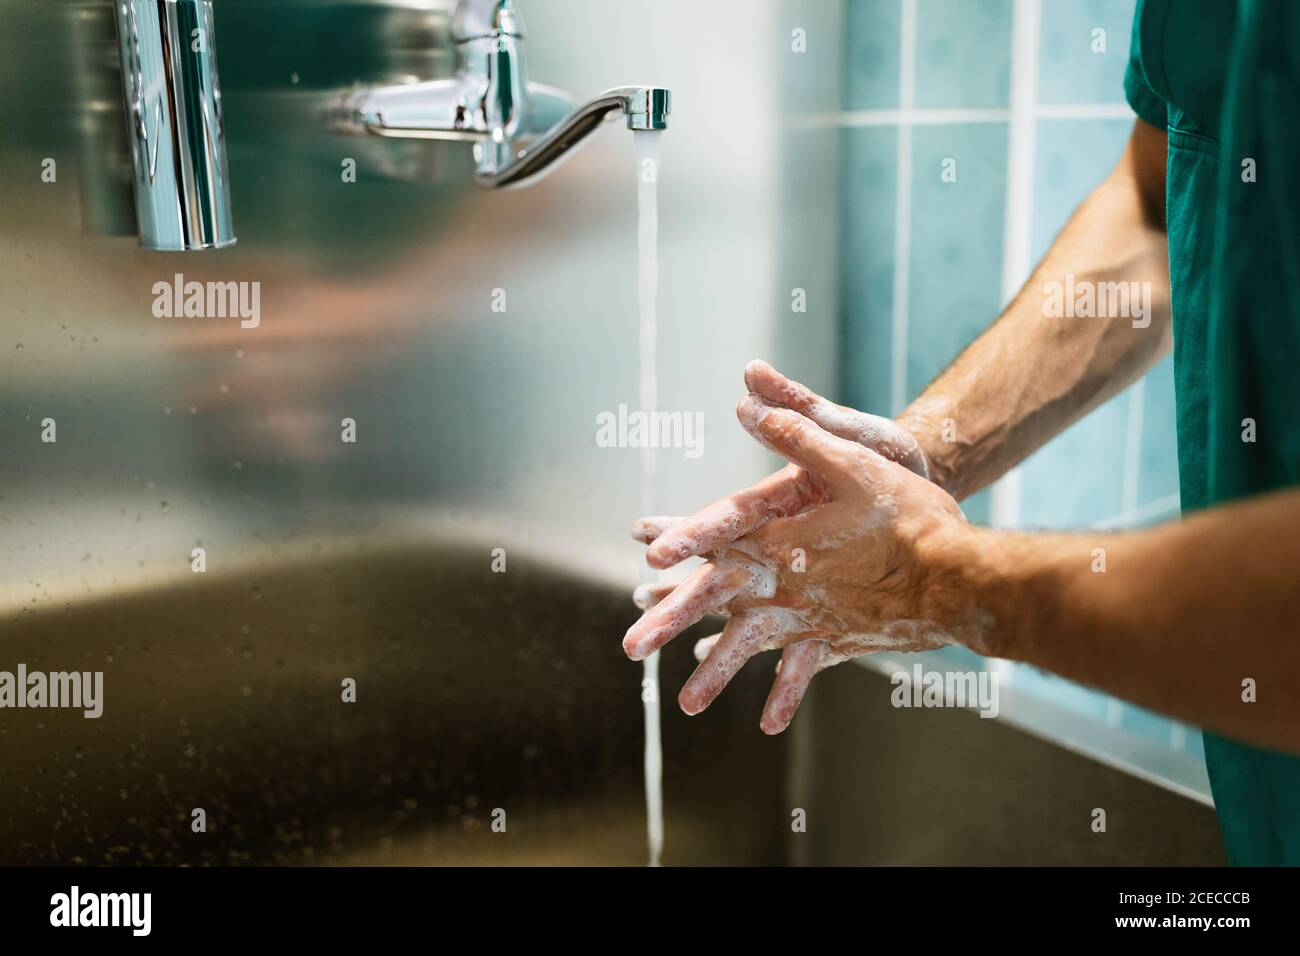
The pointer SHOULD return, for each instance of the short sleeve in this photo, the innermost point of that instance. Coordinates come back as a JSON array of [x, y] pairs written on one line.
[[1141, 97]]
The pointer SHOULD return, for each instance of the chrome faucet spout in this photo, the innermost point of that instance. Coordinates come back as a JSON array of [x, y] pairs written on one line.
[[646, 108], [520, 130]]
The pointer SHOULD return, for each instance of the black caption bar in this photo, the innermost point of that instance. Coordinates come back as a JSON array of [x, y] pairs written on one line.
[[336, 905]]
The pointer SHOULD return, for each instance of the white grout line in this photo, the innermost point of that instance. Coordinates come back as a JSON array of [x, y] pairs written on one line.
[[903, 211], [912, 117], [858, 119], [1098, 111], [1018, 219], [1018, 216]]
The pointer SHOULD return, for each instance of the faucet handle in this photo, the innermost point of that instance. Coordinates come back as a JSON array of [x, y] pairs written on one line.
[[476, 19]]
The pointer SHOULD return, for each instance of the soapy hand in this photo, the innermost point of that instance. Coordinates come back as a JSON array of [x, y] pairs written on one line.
[[788, 491], [845, 553]]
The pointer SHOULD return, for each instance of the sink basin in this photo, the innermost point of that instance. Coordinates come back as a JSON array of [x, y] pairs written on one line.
[[475, 692]]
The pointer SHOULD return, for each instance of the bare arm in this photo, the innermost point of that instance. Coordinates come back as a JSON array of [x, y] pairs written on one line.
[[1180, 618], [1029, 375], [1174, 619]]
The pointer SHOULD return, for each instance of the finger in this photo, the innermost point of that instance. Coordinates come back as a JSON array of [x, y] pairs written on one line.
[[710, 586], [882, 435], [646, 530], [798, 665], [744, 636], [799, 440], [647, 596], [784, 493], [704, 645], [773, 546], [775, 389]]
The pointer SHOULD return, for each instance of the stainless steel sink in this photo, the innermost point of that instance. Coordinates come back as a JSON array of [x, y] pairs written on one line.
[[475, 691]]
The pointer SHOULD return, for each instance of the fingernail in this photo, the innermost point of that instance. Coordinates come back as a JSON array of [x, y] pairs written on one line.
[[772, 727], [632, 643], [749, 411], [689, 703], [642, 647], [661, 557]]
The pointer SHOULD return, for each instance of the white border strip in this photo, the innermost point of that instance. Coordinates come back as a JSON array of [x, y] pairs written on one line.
[[858, 119], [1094, 111], [1018, 216], [903, 212], [913, 117]]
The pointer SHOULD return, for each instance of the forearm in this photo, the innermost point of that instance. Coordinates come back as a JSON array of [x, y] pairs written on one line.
[[1031, 374], [1178, 619]]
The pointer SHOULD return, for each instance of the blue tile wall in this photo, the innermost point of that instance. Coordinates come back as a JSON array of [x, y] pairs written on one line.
[[955, 286], [956, 233], [1070, 158], [1158, 477], [1077, 480], [867, 249], [1070, 70], [872, 54], [963, 53]]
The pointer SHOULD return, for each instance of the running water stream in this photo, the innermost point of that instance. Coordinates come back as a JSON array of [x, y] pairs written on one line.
[[647, 244]]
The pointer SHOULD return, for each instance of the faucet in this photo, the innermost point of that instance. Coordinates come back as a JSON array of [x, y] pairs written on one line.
[[519, 129]]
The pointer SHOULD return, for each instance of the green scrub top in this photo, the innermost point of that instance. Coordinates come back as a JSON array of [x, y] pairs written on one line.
[[1223, 79]]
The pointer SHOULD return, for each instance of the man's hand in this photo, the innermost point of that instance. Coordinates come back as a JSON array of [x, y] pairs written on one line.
[[882, 555], [788, 491]]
